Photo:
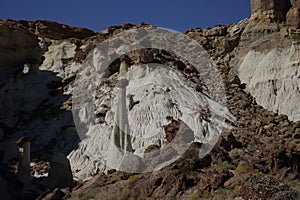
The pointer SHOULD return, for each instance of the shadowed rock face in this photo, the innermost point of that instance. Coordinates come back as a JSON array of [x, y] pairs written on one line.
[[295, 3], [17, 46], [266, 5], [278, 7], [278, 10], [293, 16], [60, 174], [3, 189]]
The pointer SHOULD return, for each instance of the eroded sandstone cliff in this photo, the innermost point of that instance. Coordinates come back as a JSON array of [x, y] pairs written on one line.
[[258, 158]]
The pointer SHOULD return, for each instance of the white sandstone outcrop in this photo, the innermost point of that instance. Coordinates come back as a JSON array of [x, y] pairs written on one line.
[[160, 92], [154, 93], [59, 58], [273, 78]]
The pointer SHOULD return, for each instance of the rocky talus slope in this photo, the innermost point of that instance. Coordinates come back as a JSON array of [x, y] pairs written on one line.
[[258, 158]]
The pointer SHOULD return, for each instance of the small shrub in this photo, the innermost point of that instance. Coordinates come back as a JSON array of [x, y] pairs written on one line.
[[235, 191], [194, 197], [242, 169], [134, 177], [115, 178], [121, 188]]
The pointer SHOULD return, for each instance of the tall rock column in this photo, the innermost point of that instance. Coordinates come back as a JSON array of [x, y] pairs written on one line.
[[24, 158], [121, 132]]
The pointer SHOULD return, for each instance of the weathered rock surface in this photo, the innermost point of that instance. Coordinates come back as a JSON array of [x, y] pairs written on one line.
[[268, 56], [276, 11], [211, 39], [17, 47], [4, 189], [60, 174], [146, 119], [56, 194], [266, 188], [53, 30], [261, 146], [277, 8], [292, 18], [272, 77]]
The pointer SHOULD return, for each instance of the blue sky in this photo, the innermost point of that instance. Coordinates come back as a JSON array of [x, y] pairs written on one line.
[[98, 15]]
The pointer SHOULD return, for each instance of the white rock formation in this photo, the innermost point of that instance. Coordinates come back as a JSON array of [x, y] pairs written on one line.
[[59, 58], [161, 92], [273, 78]]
